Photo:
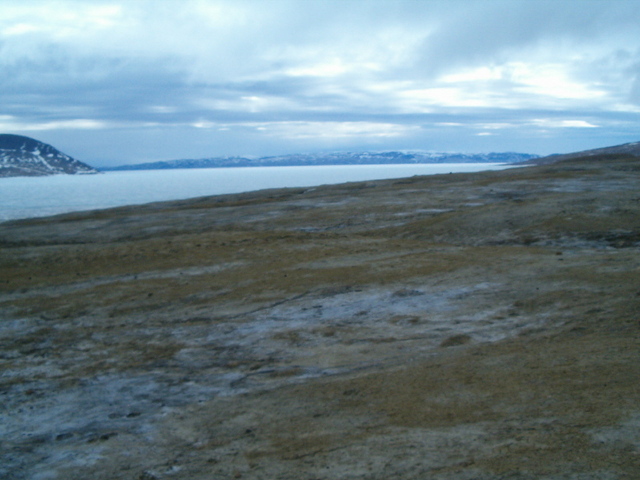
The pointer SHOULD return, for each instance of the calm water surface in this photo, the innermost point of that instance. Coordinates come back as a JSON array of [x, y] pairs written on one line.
[[24, 197]]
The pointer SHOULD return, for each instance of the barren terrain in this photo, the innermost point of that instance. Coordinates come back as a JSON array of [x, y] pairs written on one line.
[[459, 327]]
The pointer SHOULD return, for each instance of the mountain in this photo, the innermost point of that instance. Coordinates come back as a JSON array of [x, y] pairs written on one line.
[[337, 158], [626, 149], [24, 156]]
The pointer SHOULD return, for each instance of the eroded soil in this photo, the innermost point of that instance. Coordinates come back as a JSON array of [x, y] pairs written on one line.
[[468, 326]]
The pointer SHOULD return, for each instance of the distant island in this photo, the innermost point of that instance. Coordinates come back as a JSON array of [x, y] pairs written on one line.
[[335, 158], [25, 157]]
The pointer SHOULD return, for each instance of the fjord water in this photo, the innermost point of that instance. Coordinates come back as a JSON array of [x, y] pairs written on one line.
[[26, 197]]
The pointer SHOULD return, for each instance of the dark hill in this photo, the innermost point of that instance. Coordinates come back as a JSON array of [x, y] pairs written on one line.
[[627, 149], [24, 156]]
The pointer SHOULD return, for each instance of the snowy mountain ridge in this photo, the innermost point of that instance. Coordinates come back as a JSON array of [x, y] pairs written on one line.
[[24, 156], [335, 158]]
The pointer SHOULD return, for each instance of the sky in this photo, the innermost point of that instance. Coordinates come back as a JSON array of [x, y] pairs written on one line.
[[120, 82]]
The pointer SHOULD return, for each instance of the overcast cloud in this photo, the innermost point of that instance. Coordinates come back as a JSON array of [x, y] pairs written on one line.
[[114, 82]]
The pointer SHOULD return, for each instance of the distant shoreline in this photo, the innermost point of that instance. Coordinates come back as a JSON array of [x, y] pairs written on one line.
[[29, 197], [333, 159]]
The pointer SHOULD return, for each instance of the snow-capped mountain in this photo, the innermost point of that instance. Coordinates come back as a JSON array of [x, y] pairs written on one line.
[[337, 158], [24, 156]]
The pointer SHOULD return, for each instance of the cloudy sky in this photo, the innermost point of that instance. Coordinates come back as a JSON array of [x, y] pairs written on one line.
[[115, 82]]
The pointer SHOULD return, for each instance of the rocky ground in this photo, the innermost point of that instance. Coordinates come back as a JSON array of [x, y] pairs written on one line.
[[458, 327]]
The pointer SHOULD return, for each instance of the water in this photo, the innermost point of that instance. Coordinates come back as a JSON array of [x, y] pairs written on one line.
[[25, 197]]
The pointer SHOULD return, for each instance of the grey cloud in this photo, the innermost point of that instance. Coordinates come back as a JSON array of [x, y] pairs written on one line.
[[633, 72], [484, 32], [164, 67]]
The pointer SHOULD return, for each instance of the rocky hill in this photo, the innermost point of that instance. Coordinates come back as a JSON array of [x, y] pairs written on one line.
[[336, 158], [452, 327], [24, 156], [630, 149]]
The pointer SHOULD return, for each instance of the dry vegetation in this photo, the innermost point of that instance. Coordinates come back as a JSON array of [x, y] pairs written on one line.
[[467, 326]]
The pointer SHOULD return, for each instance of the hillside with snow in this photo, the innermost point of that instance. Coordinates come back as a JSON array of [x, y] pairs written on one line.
[[24, 156], [335, 158]]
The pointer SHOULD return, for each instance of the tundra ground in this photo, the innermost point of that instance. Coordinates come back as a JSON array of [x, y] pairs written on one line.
[[467, 326]]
